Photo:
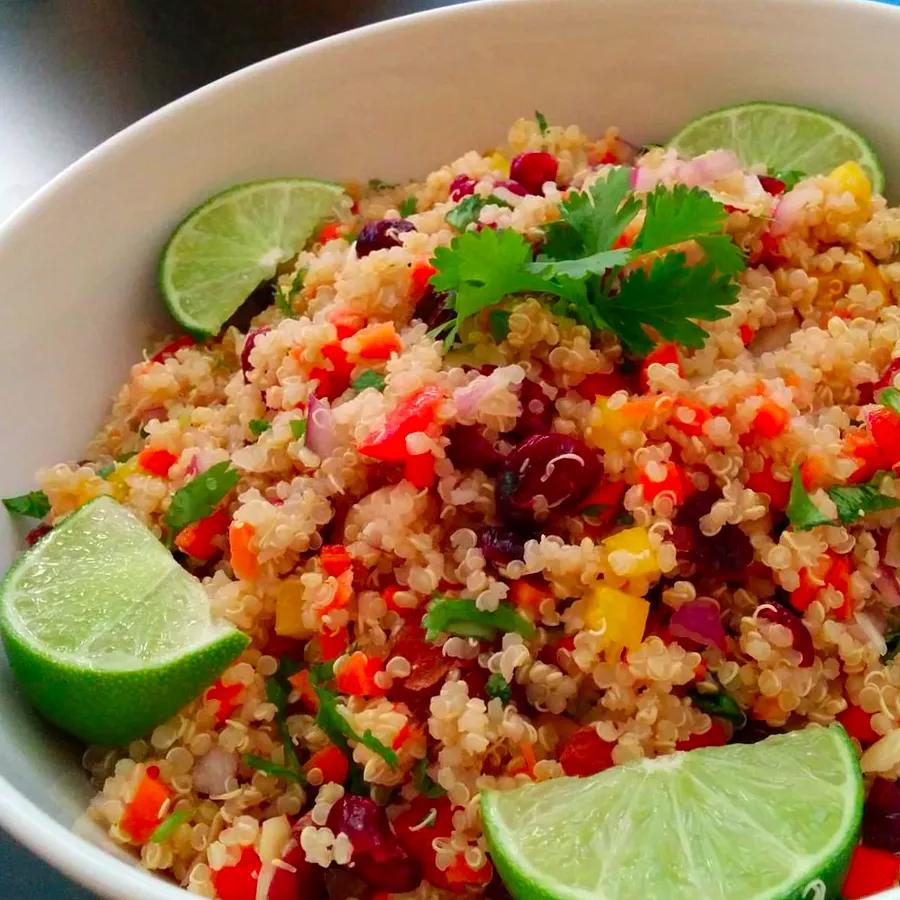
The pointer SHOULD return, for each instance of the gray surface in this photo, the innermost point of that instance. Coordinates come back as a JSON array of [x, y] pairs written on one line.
[[74, 72]]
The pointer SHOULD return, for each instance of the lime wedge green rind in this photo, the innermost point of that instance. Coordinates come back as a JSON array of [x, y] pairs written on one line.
[[781, 137], [107, 635], [767, 821], [225, 248]]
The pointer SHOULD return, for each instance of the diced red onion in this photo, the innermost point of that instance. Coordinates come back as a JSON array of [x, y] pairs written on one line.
[[887, 586], [790, 206], [320, 435], [708, 168], [872, 632], [212, 771], [699, 621]]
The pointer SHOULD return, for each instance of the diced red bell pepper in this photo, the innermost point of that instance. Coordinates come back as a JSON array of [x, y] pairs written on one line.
[[227, 697], [142, 815], [335, 559], [197, 539], [419, 278], [717, 736], [858, 724], [674, 482], [376, 341], [604, 501], [770, 420], [333, 378], [302, 684], [329, 232], [691, 423], [238, 882], [331, 762], [665, 355], [838, 577], [346, 321], [333, 643], [357, 676], [765, 482], [833, 570], [871, 871], [869, 392], [604, 384], [419, 471], [746, 334], [884, 426], [172, 348], [156, 461], [586, 753], [861, 447], [416, 413]]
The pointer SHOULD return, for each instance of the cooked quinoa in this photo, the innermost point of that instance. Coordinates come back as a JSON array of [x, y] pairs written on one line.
[[676, 577]]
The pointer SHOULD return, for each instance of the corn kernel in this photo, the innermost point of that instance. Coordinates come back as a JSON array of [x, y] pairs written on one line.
[[849, 176], [289, 609], [621, 617], [498, 162], [630, 553], [872, 277], [119, 476]]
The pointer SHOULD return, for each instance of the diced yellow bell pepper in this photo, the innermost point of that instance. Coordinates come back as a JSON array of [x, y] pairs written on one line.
[[118, 477], [849, 176], [289, 609], [621, 617], [498, 162], [606, 425], [872, 277], [630, 553]]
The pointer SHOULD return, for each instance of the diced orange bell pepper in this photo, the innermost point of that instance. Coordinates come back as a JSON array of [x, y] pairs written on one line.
[[770, 420], [302, 684], [674, 482], [357, 676], [335, 559], [419, 277], [143, 813], [243, 558], [197, 539], [813, 472], [664, 355], [156, 460], [416, 413], [419, 470], [838, 577], [529, 593], [331, 762], [376, 341]]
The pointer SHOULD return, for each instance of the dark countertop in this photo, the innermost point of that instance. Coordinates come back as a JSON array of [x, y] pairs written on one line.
[[74, 72]]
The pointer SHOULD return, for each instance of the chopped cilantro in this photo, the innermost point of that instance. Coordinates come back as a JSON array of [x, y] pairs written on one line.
[[124, 457], [790, 177], [259, 426], [107, 470], [890, 397], [168, 826], [892, 641], [469, 209], [801, 511], [408, 207], [283, 294], [34, 504], [541, 120], [367, 379], [277, 691], [498, 687], [271, 768], [853, 501], [456, 615], [424, 783], [298, 429], [720, 704], [200, 497], [498, 322]]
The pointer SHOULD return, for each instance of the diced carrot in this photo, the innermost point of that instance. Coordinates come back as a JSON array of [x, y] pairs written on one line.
[[226, 696], [302, 684], [172, 348], [664, 355], [717, 736], [145, 810], [198, 538], [871, 872], [329, 232], [858, 724], [691, 421], [419, 278], [357, 676], [156, 460], [243, 558], [528, 593], [765, 482], [333, 643], [527, 750], [673, 482], [771, 419], [331, 762], [419, 470], [346, 321], [376, 341], [335, 559]]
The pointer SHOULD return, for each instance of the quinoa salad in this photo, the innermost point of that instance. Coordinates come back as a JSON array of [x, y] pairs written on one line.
[[485, 527]]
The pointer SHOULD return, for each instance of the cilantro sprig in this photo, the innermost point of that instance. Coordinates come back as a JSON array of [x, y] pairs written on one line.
[[598, 281], [459, 616], [200, 497], [853, 502], [34, 505]]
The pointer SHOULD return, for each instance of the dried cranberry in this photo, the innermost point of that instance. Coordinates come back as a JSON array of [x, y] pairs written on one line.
[[428, 666], [432, 308], [512, 186], [537, 409], [869, 392], [396, 874], [800, 636], [532, 169], [546, 473], [249, 344], [773, 186], [501, 545], [381, 235], [881, 816], [461, 186], [470, 449], [37, 533], [753, 732], [724, 555]]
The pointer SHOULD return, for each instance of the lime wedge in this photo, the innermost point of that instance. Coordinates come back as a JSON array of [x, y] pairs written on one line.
[[106, 633], [780, 137], [227, 247], [776, 819]]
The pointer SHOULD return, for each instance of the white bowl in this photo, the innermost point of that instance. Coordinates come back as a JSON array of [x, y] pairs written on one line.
[[77, 263]]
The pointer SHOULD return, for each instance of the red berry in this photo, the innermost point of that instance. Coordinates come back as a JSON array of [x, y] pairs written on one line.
[[532, 169]]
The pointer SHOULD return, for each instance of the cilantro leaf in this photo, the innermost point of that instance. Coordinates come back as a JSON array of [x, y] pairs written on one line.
[[367, 739], [498, 322], [853, 501], [34, 504], [890, 398], [722, 252], [167, 827], [801, 511], [790, 177], [340, 731], [678, 214], [541, 120], [892, 641], [459, 616], [595, 264], [367, 379], [592, 220], [408, 207], [498, 686], [469, 209], [259, 426], [283, 294], [720, 704], [200, 497], [668, 297], [424, 783], [270, 768], [298, 429]]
